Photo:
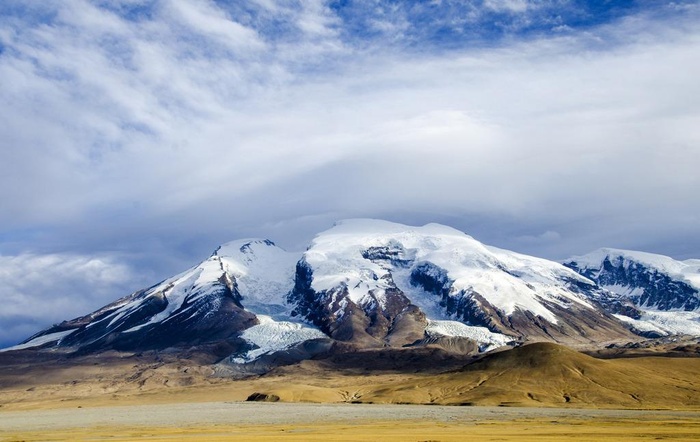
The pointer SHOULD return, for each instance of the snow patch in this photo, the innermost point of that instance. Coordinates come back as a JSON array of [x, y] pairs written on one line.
[[263, 271], [175, 295], [666, 323], [624, 290], [41, 340], [486, 339], [271, 336]]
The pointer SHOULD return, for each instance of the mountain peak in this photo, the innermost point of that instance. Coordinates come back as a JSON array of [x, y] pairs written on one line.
[[597, 257], [688, 270], [242, 246], [654, 294], [358, 226]]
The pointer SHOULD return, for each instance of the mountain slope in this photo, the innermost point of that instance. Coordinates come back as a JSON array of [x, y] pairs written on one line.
[[366, 280], [201, 305], [664, 293], [371, 283], [552, 375]]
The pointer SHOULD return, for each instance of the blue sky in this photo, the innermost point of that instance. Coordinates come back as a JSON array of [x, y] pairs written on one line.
[[138, 135]]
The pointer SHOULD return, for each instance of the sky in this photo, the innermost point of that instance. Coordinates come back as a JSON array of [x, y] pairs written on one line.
[[138, 135]]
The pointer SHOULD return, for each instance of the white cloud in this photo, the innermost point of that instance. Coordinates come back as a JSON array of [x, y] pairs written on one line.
[[204, 17], [508, 5], [207, 112], [316, 19], [39, 290], [545, 237], [190, 122], [507, 130]]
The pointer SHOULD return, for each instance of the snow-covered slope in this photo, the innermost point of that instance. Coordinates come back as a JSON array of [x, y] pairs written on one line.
[[271, 336], [365, 279], [664, 292], [264, 274], [39, 341], [214, 300]]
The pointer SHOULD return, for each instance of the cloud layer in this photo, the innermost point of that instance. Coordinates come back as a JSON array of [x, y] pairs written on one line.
[[162, 128], [39, 290]]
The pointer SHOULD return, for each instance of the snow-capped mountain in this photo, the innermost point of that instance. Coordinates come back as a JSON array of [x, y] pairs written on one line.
[[214, 301], [378, 282], [658, 294], [367, 283]]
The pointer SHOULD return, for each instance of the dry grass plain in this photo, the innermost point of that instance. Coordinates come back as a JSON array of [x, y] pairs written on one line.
[[343, 422], [536, 392]]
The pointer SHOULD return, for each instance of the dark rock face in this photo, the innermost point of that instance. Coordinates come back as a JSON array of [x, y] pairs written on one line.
[[613, 303], [659, 290], [206, 315], [469, 307], [432, 279], [610, 302], [263, 397], [575, 322], [306, 300], [408, 327], [451, 344], [393, 253], [224, 321], [150, 306], [394, 321]]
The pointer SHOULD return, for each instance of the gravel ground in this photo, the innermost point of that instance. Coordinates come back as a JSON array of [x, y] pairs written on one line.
[[250, 413]]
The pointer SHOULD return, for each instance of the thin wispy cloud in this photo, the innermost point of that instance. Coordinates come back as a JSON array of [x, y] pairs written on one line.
[[160, 129]]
